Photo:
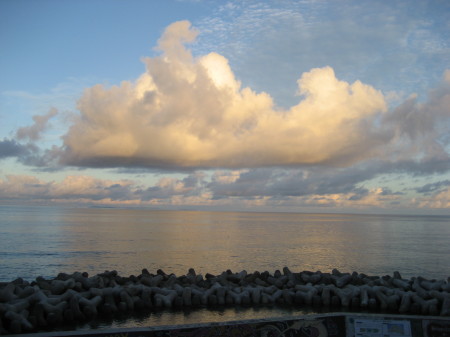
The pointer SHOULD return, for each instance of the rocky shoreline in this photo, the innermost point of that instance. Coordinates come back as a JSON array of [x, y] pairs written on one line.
[[74, 298]]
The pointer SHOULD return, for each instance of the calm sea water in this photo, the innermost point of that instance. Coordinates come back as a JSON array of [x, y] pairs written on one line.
[[44, 241]]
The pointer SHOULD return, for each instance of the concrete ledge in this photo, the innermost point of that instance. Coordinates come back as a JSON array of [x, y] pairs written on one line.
[[332, 324]]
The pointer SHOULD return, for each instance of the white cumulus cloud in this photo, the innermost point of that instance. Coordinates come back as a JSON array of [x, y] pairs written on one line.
[[189, 112]]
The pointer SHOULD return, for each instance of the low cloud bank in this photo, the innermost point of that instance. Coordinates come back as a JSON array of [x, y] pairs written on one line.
[[244, 189]]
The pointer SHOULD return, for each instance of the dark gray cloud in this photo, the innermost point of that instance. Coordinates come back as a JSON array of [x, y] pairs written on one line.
[[30, 154], [166, 188], [11, 148], [433, 187], [33, 132], [419, 168], [320, 180], [293, 182], [425, 121], [155, 192], [118, 191], [24, 147]]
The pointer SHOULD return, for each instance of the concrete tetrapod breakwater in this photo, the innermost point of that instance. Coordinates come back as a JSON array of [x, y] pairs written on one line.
[[75, 298]]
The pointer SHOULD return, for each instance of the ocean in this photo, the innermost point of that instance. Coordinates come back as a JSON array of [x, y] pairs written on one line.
[[44, 241]]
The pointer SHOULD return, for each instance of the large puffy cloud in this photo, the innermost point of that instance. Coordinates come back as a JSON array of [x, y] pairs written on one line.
[[190, 112], [187, 112]]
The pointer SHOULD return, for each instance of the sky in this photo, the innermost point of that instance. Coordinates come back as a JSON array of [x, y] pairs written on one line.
[[298, 106]]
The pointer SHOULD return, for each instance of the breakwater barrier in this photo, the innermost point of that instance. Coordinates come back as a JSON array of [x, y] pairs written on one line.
[[45, 304]]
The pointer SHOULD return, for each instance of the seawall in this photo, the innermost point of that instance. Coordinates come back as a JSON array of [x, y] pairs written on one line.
[[46, 304]]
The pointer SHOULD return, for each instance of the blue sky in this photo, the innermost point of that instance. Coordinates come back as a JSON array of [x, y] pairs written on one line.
[[317, 106]]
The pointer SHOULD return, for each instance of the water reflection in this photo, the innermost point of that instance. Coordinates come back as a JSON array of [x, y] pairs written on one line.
[[195, 316]]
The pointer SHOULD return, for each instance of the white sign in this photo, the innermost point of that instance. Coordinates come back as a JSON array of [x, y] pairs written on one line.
[[382, 328]]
